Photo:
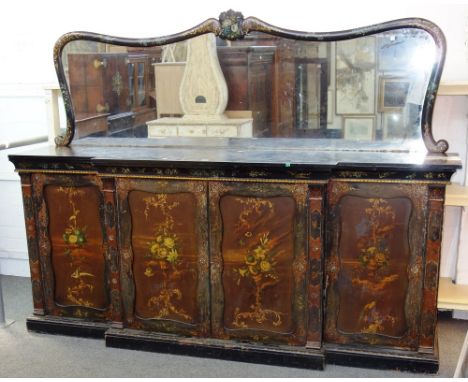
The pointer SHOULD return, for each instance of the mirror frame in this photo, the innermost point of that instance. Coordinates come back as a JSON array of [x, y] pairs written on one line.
[[231, 25]]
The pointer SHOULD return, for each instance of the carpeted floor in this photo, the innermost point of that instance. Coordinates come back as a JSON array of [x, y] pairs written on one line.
[[24, 354]]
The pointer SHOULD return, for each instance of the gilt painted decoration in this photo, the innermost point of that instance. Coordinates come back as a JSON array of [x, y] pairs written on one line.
[[374, 258], [375, 261], [164, 242], [257, 279], [77, 246]]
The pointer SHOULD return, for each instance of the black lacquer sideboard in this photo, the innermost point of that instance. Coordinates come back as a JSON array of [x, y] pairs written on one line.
[[286, 209]]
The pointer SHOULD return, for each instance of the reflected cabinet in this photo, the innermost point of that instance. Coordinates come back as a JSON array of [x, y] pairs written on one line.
[[245, 192]]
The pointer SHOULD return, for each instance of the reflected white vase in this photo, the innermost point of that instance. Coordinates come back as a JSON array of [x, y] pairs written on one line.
[[203, 91]]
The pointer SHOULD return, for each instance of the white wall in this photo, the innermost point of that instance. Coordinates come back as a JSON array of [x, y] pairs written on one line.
[[13, 246], [451, 122], [29, 30]]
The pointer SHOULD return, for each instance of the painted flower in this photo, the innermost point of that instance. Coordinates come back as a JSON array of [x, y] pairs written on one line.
[[154, 248], [172, 256], [169, 242], [260, 252], [149, 272], [371, 250], [159, 239], [243, 271], [162, 253], [72, 239], [380, 258], [265, 266]]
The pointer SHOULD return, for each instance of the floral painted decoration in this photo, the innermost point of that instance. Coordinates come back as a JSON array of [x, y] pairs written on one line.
[[259, 262], [74, 237], [163, 257], [231, 25], [373, 246]]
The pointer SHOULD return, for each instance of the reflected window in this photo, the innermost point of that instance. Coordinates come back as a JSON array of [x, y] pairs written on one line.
[[131, 83]]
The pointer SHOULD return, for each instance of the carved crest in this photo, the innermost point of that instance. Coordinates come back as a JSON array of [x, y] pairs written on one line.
[[231, 25]]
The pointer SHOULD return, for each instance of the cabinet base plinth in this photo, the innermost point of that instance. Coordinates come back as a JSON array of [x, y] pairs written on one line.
[[64, 326], [390, 359], [213, 348]]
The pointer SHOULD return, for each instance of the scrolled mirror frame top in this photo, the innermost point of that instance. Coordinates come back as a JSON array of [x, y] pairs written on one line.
[[232, 26]]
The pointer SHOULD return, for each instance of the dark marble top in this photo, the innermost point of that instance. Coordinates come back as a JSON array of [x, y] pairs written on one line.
[[206, 152]]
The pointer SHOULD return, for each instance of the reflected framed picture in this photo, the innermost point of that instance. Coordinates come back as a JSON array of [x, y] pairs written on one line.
[[359, 128], [393, 92], [396, 49], [355, 76], [393, 125]]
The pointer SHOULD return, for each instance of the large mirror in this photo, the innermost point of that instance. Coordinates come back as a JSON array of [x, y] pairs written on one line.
[[366, 91]]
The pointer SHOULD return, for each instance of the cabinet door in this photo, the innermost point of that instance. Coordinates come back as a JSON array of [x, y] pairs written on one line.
[[163, 244], [75, 265], [258, 263], [374, 263]]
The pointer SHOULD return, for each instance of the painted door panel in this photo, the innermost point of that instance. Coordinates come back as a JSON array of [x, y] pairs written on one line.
[[259, 262], [375, 261], [165, 258], [73, 246]]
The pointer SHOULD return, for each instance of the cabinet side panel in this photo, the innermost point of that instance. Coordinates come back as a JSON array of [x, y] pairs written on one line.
[[33, 251], [314, 332], [431, 276], [111, 233]]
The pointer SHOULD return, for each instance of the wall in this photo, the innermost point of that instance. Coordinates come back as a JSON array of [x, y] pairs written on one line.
[[450, 122], [29, 30], [13, 247]]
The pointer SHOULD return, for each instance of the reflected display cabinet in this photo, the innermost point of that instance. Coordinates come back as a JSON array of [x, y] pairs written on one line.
[[289, 212]]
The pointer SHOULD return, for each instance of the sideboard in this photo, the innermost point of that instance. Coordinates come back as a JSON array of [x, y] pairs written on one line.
[[287, 251]]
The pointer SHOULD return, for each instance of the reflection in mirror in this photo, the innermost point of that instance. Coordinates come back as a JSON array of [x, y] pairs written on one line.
[[366, 89]]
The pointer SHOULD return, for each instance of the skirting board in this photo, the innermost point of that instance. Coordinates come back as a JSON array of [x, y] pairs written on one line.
[[14, 267], [213, 348]]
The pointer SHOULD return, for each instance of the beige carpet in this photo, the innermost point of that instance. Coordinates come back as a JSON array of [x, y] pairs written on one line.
[[24, 354]]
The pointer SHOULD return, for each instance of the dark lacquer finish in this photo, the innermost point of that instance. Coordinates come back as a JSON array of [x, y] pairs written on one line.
[[188, 253], [215, 348], [435, 210], [315, 269], [33, 248]]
